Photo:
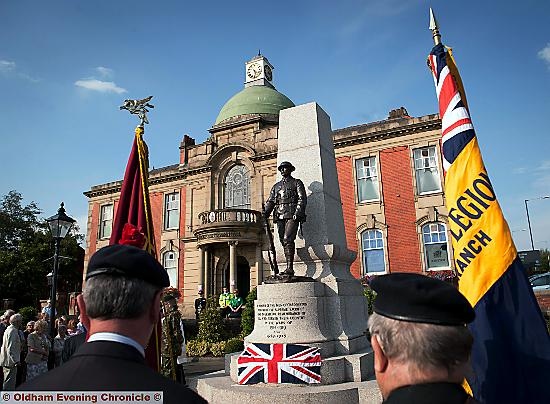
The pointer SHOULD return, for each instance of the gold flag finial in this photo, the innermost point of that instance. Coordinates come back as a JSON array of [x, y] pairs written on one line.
[[434, 27]]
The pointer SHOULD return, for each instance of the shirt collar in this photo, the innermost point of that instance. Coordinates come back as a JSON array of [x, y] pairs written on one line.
[[113, 337]]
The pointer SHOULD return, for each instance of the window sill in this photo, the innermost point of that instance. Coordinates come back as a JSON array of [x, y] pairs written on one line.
[[431, 193], [369, 202]]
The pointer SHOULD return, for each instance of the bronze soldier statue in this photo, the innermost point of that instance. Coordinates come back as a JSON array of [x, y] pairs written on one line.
[[287, 201]]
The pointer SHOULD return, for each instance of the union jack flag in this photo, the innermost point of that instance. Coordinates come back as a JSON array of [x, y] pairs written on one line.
[[457, 128], [279, 363]]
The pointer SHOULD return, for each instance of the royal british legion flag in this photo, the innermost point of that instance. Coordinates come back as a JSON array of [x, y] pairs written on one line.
[[279, 363], [511, 350]]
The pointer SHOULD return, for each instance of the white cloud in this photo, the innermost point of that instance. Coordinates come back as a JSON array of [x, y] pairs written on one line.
[[544, 54], [542, 183], [104, 72], [10, 68], [519, 170], [544, 166], [6, 66], [101, 86]]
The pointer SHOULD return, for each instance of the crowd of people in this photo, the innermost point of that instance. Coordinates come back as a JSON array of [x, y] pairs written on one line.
[[28, 352]]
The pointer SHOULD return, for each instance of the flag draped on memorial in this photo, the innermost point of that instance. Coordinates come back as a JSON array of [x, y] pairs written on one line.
[[133, 223], [279, 363], [511, 352]]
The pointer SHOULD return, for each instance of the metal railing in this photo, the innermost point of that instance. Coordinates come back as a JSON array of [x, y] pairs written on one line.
[[230, 215]]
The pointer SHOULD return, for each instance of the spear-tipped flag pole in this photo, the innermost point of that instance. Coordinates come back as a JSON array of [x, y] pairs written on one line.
[[133, 224], [511, 351]]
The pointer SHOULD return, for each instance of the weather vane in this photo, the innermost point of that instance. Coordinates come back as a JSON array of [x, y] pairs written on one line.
[[139, 108]]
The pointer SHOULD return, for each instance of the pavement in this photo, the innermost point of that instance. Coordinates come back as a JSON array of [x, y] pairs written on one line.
[[202, 366]]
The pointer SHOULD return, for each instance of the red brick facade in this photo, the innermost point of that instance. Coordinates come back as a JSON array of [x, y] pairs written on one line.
[[344, 166], [399, 206], [94, 227]]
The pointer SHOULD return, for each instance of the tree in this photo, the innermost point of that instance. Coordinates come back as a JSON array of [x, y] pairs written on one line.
[[26, 248], [544, 260]]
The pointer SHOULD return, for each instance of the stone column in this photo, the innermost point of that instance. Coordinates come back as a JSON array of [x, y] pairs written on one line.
[[259, 265], [232, 265], [206, 260], [201, 269]]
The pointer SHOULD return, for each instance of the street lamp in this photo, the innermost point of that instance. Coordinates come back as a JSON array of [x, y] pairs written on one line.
[[528, 220], [60, 225]]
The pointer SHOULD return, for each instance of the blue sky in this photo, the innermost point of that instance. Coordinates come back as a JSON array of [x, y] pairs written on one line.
[[66, 66]]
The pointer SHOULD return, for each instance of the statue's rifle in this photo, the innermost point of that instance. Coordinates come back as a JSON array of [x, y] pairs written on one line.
[[271, 253]]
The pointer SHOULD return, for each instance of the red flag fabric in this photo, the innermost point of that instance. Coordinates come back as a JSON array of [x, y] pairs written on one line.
[[133, 224]]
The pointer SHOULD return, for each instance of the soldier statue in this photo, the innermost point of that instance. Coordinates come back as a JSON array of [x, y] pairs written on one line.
[[287, 201]]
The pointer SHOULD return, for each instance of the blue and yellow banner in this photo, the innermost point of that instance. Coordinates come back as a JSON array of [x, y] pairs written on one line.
[[511, 352]]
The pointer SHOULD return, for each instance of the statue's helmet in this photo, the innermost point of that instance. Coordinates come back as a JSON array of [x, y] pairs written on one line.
[[286, 164]]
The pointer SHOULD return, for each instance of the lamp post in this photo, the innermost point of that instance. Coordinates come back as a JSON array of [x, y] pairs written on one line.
[[59, 224], [528, 220]]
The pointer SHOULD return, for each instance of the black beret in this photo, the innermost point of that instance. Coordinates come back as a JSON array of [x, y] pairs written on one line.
[[420, 299], [127, 261]]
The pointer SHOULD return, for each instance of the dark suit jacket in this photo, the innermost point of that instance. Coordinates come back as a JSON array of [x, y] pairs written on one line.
[[71, 345], [430, 393], [105, 366]]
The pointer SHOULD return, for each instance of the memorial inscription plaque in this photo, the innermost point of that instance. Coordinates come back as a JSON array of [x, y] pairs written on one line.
[[280, 318]]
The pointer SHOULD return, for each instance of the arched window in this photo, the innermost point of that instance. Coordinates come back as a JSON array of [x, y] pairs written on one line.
[[436, 250], [170, 263], [372, 243], [237, 188]]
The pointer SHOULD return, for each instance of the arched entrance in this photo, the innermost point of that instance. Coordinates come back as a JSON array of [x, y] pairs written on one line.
[[243, 275]]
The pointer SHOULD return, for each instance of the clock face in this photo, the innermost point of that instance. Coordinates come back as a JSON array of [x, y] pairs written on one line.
[[268, 73], [254, 71]]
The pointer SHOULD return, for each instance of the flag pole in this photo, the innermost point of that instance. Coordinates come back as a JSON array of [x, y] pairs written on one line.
[[434, 27], [133, 222]]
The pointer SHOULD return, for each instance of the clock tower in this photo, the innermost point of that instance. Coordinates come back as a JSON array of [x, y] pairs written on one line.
[[258, 72]]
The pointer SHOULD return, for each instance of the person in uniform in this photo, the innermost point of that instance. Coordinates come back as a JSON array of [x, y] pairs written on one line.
[[172, 336], [420, 339], [120, 306], [200, 304], [287, 200]]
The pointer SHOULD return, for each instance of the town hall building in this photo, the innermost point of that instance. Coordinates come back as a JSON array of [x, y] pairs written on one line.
[[207, 207]]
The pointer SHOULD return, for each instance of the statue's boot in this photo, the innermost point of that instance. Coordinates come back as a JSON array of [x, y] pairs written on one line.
[[289, 255]]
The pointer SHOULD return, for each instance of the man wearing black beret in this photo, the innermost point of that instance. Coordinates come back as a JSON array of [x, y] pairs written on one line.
[[420, 340], [120, 306]]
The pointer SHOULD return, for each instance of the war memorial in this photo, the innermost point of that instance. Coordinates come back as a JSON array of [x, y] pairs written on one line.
[[321, 305]]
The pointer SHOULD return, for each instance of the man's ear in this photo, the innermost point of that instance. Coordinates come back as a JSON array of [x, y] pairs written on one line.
[[380, 358], [84, 319], [154, 312]]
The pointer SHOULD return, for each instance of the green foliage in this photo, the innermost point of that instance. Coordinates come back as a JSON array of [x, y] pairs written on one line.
[[197, 348], [234, 345], [29, 313], [218, 348], [370, 295], [247, 317], [211, 327], [544, 260], [26, 247]]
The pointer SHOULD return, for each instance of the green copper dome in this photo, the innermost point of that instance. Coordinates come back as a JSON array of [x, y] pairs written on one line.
[[254, 100]]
